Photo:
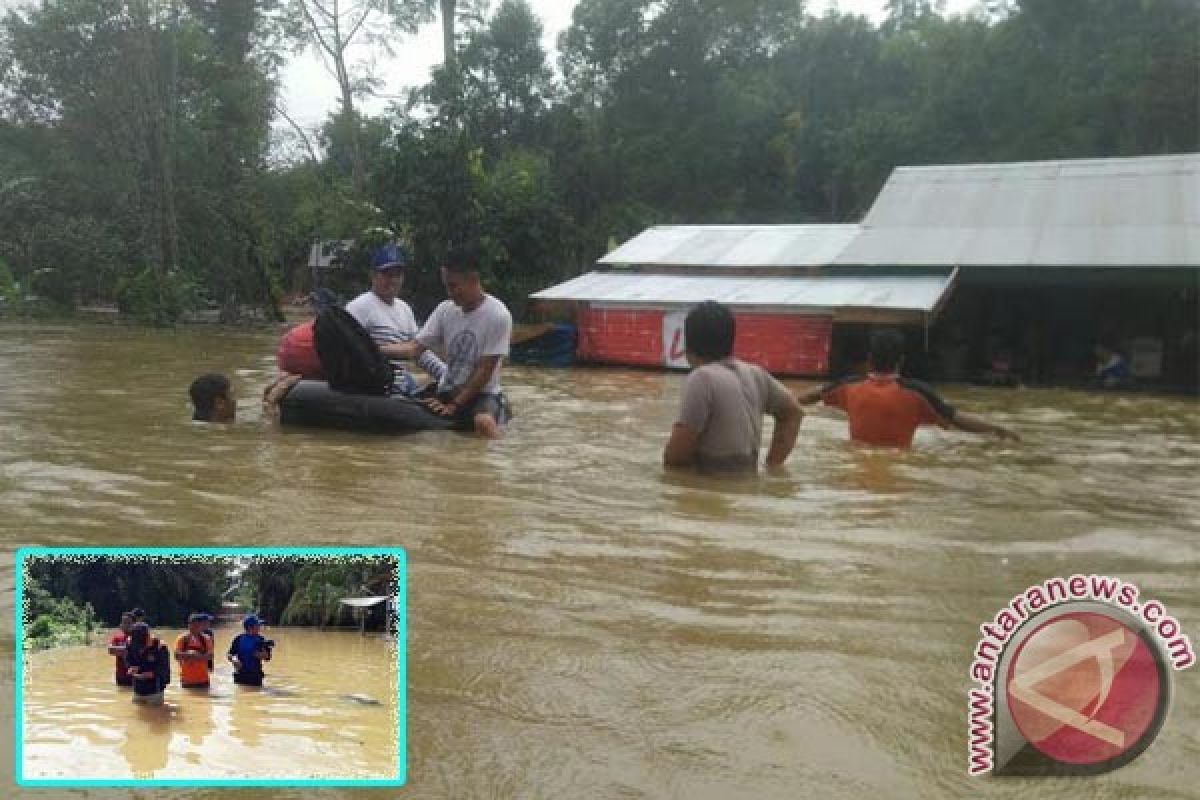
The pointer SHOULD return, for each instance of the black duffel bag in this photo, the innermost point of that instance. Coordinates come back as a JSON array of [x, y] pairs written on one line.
[[349, 356]]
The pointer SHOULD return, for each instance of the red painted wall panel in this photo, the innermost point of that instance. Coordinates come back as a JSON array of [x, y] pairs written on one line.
[[786, 344], [621, 337]]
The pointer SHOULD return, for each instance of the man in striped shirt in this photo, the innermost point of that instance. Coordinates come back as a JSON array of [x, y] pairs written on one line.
[[390, 321]]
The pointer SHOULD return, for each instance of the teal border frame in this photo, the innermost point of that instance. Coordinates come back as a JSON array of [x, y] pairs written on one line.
[[165, 552]]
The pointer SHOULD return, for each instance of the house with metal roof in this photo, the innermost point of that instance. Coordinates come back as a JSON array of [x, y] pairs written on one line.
[[1028, 265], [1090, 214], [1054, 258], [631, 309]]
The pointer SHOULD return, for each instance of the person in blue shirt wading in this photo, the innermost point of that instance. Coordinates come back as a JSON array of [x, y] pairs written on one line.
[[247, 651]]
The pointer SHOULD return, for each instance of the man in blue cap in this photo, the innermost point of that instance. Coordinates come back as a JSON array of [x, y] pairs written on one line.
[[247, 651], [389, 320]]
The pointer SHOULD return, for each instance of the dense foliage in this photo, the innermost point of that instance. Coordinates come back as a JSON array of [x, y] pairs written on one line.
[[167, 592], [308, 592], [135, 142], [55, 621]]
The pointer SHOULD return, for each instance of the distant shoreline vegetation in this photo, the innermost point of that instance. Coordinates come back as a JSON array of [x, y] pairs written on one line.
[[166, 191], [56, 621], [37, 310], [67, 601]]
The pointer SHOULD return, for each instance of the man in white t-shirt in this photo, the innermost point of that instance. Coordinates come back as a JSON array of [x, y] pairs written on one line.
[[390, 321], [473, 330]]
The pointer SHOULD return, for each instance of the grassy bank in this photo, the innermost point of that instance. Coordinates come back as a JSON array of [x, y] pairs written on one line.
[[56, 621]]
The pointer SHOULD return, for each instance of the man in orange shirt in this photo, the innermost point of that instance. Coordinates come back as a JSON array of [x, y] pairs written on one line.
[[192, 651], [886, 409]]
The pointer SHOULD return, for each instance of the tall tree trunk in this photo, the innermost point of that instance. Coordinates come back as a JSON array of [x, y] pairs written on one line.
[[170, 223], [349, 117], [234, 26], [146, 135], [350, 120], [449, 52]]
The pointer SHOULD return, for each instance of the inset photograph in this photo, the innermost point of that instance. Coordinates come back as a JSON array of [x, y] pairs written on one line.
[[210, 667]]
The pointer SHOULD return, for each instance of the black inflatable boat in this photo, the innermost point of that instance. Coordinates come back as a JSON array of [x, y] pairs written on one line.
[[312, 404]]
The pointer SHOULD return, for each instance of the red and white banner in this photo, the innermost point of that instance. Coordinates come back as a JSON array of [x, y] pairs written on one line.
[[674, 344]]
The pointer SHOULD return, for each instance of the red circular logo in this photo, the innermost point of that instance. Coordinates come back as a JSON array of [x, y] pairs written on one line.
[[1084, 688]]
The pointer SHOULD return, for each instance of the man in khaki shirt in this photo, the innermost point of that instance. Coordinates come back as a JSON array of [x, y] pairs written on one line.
[[719, 428]]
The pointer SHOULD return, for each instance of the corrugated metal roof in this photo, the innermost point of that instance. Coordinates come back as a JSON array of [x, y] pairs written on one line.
[[734, 246], [1116, 212], [899, 293]]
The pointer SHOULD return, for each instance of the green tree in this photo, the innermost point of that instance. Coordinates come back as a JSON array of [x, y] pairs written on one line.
[[508, 82], [55, 621], [145, 126], [168, 592], [236, 66], [334, 30], [271, 586]]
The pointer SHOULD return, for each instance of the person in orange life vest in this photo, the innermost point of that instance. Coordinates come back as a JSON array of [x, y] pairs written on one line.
[[886, 409], [297, 354], [116, 647], [192, 651]]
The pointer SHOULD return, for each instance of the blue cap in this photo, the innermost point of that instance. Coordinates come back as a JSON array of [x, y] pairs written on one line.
[[197, 617], [251, 621], [389, 256]]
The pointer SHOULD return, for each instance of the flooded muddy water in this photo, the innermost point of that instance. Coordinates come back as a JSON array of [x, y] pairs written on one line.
[[583, 625], [327, 709]]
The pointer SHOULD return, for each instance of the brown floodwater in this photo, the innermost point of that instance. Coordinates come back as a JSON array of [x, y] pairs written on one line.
[[327, 710], [583, 625]]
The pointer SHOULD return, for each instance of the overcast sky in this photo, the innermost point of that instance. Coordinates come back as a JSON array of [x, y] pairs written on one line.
[[309, 92]]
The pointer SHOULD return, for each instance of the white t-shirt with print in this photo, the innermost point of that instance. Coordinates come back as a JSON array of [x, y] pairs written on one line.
[[466, 337]]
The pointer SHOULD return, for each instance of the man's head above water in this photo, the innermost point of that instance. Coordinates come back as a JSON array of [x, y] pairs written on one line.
[[886, 350], [212, 397], [709, 330]]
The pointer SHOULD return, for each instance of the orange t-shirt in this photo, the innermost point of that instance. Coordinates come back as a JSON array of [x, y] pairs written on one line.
[[885, 409], [193, 673]]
